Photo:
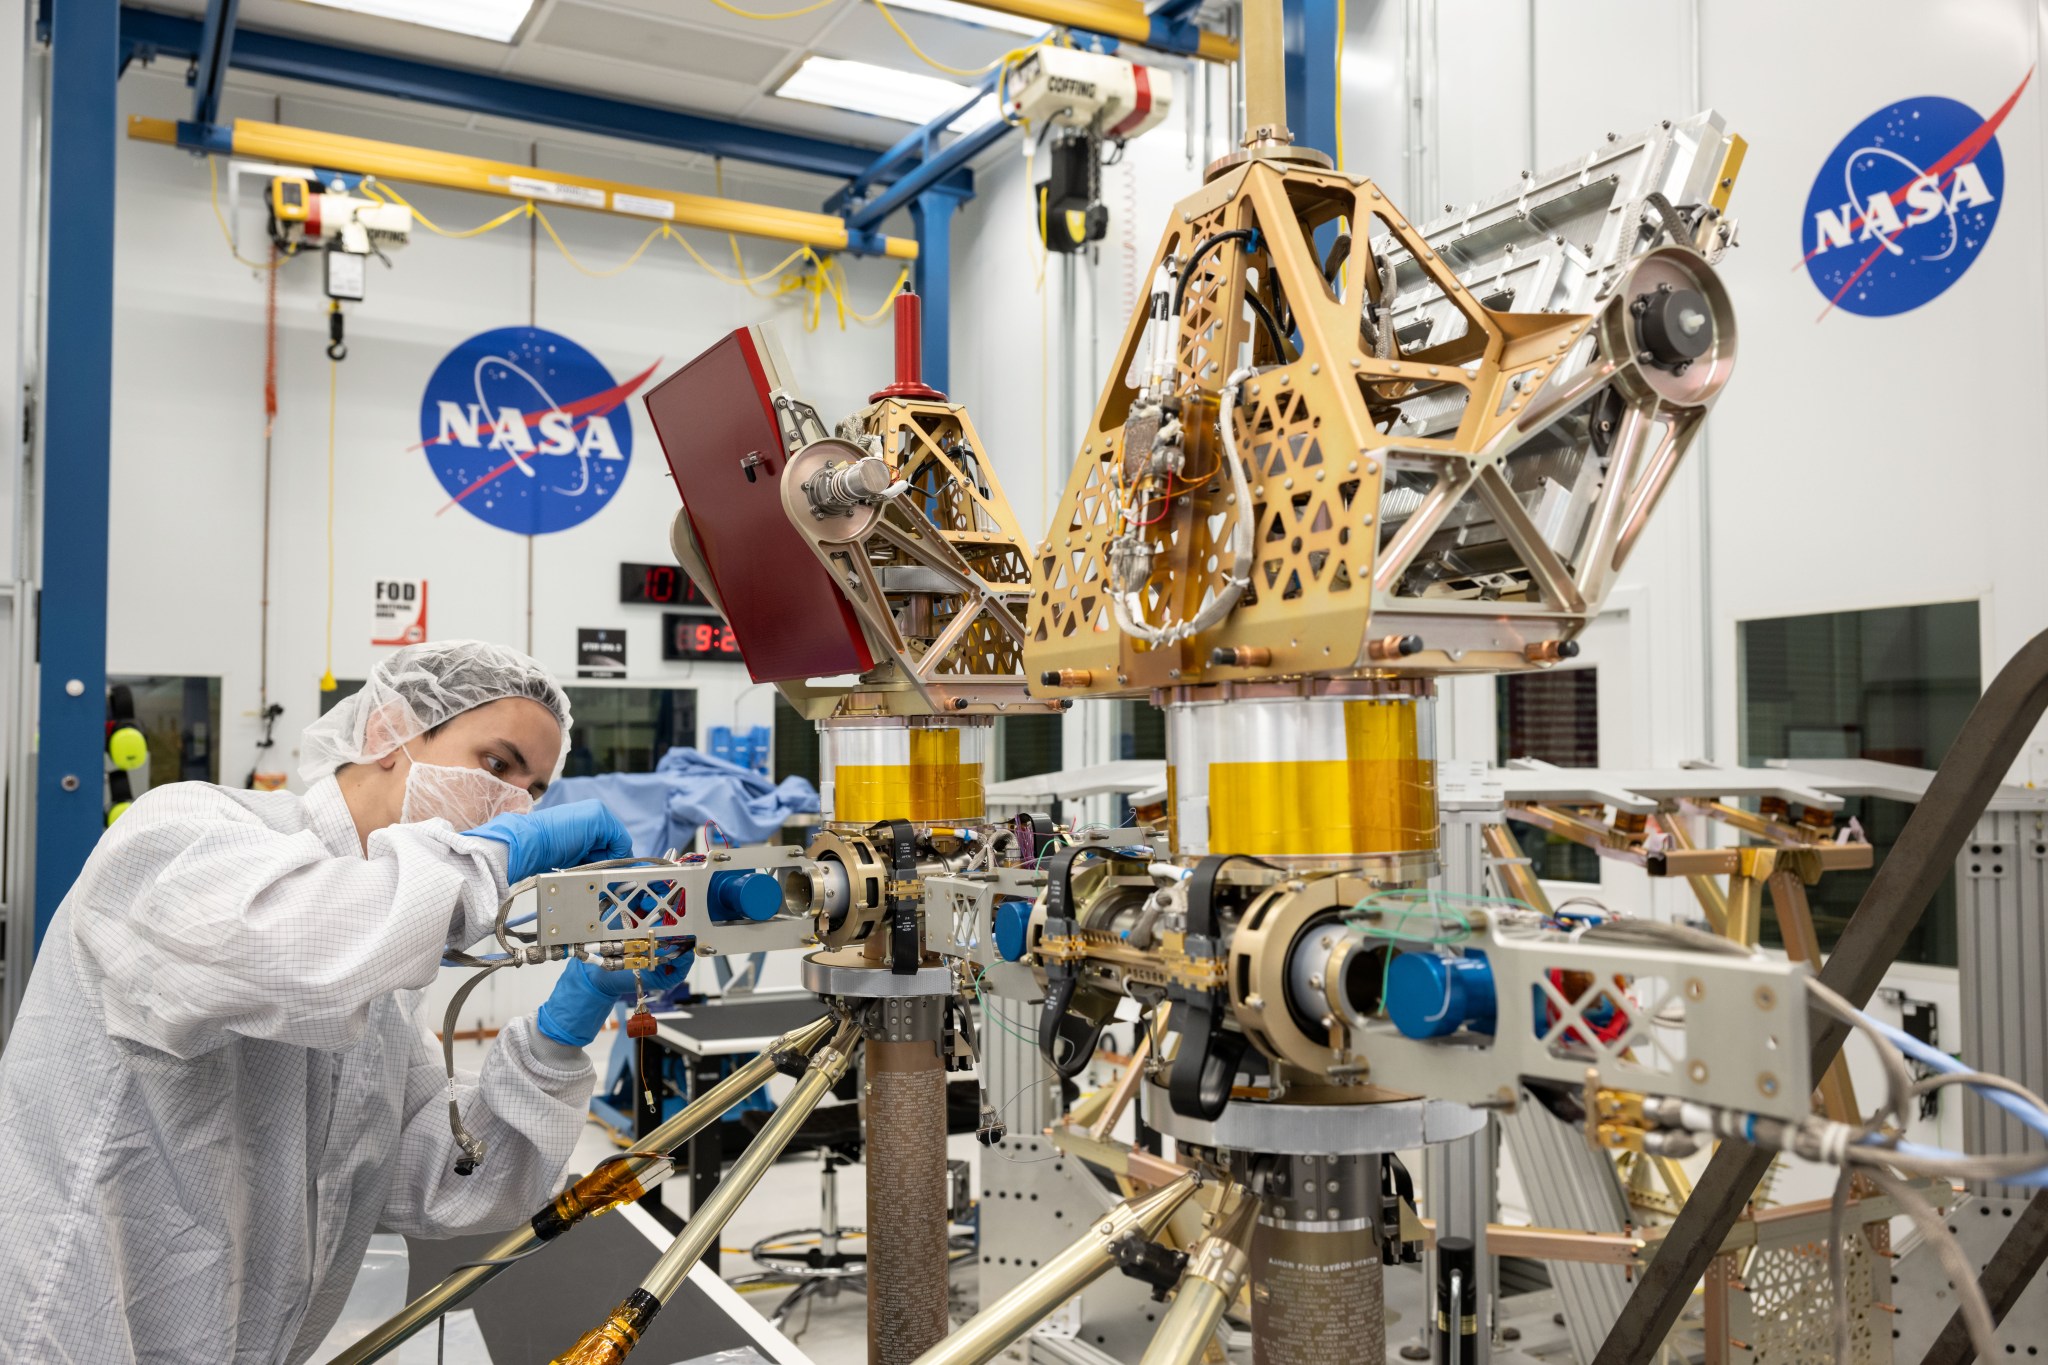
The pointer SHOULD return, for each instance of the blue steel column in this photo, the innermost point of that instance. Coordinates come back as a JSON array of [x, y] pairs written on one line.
[[932, 214], [1311, 38], [78, 357]]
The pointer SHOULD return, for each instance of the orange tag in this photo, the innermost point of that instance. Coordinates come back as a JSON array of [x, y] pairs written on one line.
[[640, 1024]]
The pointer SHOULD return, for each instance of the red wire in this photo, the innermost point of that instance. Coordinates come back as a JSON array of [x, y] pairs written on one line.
[[1165, 505]]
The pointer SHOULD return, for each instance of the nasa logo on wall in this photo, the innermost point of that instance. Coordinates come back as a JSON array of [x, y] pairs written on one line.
[[527, 430], [1905, 204]]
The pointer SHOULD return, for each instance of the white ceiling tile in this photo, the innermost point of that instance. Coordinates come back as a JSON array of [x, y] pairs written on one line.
[[797, 32], [865, 36], [627, 81], [820, 121], [623, 36]]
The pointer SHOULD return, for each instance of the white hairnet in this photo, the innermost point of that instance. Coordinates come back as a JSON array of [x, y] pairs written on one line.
[[418, 688]]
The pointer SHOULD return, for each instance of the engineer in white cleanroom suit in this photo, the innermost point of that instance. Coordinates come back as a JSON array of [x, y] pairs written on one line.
[[219, 1084]]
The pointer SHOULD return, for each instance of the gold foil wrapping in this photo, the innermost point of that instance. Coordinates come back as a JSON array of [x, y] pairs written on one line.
[[1320, 777], [919, 773]]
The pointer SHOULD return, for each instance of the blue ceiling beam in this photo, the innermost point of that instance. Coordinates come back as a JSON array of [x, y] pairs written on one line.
[[937, 172], [1172, 11], [210, 71], [917, 145], [146, 33]]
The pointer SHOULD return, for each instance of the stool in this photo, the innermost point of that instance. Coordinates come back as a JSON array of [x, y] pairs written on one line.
[[819, 1267]]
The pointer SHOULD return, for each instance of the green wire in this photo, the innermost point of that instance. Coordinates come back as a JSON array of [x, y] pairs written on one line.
[[1404, 907], [991, 1016]]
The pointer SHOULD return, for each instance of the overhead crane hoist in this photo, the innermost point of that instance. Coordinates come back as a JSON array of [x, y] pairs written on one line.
[[1341, 454], [391, 161]]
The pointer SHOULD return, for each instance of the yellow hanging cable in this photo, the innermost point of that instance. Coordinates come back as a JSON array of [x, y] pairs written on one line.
[[213, 170], [570, 256], [770, 273], [785, 14], [327, 683], [733, 238], [816, 284], [846, 310], [382, 189], [1014, 55]]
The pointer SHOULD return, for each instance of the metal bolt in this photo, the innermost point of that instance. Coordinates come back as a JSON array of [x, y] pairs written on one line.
[[1766, 998], [69, 782], [1698, 1072], [1767, 1083], [1695, 989]]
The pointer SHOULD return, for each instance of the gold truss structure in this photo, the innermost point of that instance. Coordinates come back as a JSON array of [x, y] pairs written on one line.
[[1330, 588], [937, 575]]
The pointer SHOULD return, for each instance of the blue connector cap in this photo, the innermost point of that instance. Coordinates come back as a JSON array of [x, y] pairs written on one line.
[[745, 895], [1013, 919], [1430, 995]]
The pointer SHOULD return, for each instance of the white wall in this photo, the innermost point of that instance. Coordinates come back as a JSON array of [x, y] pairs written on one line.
[[188, 418], [1852, 463]]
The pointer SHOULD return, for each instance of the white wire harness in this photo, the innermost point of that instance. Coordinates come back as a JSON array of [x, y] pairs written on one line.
[[517, 950], [1875, 1151]]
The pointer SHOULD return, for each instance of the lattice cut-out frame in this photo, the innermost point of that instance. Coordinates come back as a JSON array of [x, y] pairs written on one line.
[[1316, 433]]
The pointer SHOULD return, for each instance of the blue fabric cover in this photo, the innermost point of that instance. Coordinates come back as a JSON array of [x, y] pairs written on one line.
[[663, 809]]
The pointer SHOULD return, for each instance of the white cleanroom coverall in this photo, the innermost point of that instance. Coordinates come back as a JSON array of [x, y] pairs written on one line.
[[218, 1086]]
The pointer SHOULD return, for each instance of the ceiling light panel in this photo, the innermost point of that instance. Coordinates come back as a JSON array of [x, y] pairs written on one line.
[[497, 20], [885, 92], [972, 14]]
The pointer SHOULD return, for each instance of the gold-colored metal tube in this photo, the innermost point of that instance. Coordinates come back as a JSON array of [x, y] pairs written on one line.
[[1704, 888], [828, 1064], [1511, 867], [613, 1183], [1189, 1325], [1216, 1271], [611, 1340], [988, 1332], [1265, 72]]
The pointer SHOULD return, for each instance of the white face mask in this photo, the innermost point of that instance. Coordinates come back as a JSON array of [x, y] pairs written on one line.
[[464, 797]]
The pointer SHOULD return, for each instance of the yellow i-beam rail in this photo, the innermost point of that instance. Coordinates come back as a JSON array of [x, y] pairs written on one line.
[[420, 166], [1125, 20]]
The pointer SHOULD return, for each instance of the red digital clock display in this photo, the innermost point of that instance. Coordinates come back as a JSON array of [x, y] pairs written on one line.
[[658, 585], [697, 637]]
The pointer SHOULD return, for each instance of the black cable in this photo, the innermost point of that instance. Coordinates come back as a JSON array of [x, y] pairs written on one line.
[[1249, 236], [1281, 350]]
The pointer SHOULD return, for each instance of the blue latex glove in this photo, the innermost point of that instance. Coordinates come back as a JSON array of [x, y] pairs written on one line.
[[560, 836], [582, 1000]]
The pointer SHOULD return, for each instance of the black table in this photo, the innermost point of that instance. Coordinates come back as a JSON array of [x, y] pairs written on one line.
[[701, 1035], [534, 1312]]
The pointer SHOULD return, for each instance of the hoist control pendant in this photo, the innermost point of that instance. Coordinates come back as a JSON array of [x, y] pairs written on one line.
[[909, 353]]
